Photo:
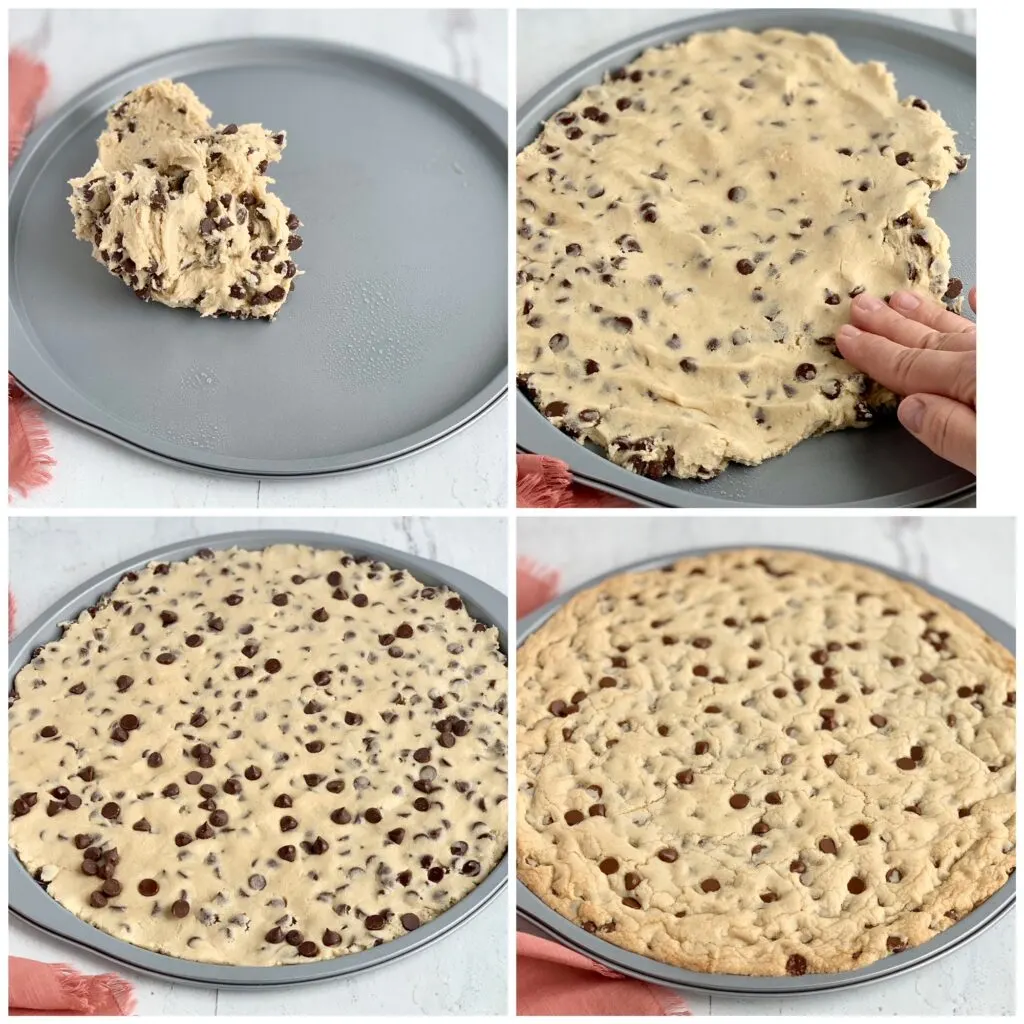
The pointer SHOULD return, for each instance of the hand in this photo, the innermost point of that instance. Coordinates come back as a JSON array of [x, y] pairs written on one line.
[[917, 348]]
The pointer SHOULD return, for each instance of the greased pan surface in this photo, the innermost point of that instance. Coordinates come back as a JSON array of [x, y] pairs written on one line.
[[541, 916], [396, 335], [30, 902], [882, 466]]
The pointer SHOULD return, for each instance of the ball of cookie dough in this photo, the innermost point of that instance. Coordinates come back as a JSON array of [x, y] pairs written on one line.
[[182, 212]]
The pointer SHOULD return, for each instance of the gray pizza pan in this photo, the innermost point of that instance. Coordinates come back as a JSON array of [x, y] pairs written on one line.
[[882, 466], [536, 913], [28, 899], [397, 333]]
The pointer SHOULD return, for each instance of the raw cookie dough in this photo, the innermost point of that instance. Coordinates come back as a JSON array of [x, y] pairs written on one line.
[[260, 757], [764, 762], [182, 211], [691, 232]]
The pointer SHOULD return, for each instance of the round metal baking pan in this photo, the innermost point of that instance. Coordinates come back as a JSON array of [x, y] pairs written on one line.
[[30, 902], [396, 336], [538, 914], [882, 466]]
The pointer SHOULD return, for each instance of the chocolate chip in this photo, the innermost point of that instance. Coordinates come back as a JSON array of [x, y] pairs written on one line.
[[737, 194], [287, 853], [739, 801], [710, 885], [330, 938], [796, 965], [110, 811], [180, 908], [668, 855], [745, 266]]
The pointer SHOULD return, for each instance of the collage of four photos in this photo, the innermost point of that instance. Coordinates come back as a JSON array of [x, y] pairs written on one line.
[[576, 599]]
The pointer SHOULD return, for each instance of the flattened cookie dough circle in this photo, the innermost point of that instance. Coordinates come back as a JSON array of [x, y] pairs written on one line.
[[764, 762], [691, 233], [262, 757]]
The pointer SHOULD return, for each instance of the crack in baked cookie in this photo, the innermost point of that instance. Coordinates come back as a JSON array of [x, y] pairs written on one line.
[[691, 233], [262, 757], [763, 763]]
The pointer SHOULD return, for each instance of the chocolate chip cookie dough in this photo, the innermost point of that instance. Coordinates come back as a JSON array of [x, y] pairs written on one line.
[[182, 212], [262, 757], [764, 763], [691, 233]]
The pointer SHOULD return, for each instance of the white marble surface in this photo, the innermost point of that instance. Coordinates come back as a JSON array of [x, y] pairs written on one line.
[[469, 469], [549, 42], [464, 973], [966, 555]]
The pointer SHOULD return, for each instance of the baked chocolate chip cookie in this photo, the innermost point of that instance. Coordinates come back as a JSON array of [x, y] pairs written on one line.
[[691, 233], [262, 757], [764, 763]]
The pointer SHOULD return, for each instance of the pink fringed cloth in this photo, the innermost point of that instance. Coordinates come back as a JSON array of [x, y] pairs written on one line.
[[29, 461], [544, 482], [57, 990]]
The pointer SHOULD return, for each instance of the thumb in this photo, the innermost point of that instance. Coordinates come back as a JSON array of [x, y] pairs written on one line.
[[947, 427]]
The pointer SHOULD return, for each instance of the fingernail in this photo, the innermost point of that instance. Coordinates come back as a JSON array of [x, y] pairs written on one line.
[[847, 333], [905, 300], [911, 414], [868, 302]]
